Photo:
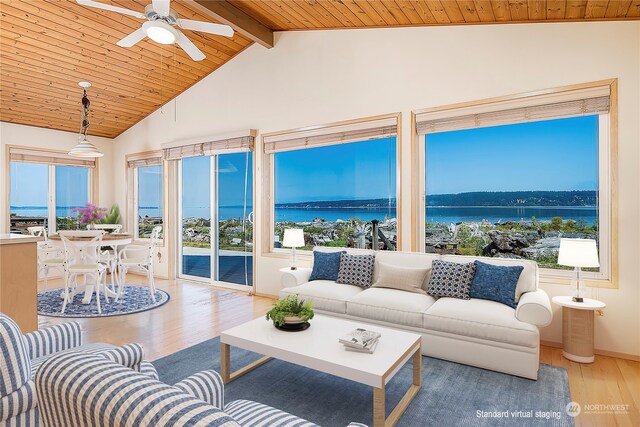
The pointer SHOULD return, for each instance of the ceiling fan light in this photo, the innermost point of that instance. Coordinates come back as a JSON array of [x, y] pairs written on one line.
[[160, 32], [85, 149]]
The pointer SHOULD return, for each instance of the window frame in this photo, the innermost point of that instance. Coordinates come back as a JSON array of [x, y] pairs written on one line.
[[607, 179], [92, 185], [132, 194], [267, 202]]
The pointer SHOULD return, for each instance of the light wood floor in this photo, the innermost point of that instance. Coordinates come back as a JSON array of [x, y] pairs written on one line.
[[199, 312]]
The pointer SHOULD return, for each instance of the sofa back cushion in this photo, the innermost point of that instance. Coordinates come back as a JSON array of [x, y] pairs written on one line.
[[15, 369]]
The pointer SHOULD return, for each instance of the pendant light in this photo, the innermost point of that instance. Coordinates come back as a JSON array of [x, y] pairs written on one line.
[[84, 147]]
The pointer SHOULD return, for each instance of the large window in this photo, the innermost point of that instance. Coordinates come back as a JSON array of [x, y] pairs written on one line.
[[45, 186], [149, 200], [338, 186], [72, 191], [145, 205], [511, 178]]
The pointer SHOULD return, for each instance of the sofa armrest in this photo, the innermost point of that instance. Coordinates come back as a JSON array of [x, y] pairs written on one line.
[[291, 278], [535, 308], [53, 339], [206, 386]]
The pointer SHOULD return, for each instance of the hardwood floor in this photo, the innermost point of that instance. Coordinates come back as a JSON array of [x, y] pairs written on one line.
[[199, 312]]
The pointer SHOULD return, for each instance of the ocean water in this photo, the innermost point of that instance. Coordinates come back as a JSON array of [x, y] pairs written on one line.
[[443, 215]]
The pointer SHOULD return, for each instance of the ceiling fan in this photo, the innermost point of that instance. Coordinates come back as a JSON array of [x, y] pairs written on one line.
[[161, 20]]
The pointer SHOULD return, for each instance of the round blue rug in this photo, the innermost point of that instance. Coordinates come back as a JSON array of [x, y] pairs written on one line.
[[136, 299]]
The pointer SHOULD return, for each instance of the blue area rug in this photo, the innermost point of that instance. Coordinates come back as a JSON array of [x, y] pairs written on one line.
[[135, 300], [451, 394]]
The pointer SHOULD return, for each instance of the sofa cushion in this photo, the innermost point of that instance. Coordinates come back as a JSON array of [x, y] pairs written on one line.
[[94, 348], [450, 279], [496, 283], [356, 270], [528, 280], [401, 278], [14, 359], [390, 305], [253, 414], [325, 265], [477, 318], [326, 295]]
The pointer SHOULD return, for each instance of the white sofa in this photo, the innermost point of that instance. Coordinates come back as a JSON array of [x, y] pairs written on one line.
[[475, 332]]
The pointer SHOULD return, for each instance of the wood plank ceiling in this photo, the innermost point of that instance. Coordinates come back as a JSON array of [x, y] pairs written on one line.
[[46, 47]]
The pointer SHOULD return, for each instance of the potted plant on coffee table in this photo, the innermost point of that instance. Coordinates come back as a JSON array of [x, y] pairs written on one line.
[[291, 313]]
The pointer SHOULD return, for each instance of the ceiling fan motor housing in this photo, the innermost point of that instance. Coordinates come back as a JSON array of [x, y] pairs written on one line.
[[152, 15]]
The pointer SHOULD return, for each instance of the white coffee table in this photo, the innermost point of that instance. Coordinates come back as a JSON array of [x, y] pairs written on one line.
[[318, 348]]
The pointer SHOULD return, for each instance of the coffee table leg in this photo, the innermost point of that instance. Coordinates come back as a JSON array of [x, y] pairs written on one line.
[[225, 364], [379, 419]]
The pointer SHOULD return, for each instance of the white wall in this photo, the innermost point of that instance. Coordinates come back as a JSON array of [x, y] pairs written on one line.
[[324, 76], [30, 136]]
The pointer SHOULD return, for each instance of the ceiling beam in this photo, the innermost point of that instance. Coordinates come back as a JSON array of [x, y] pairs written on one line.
[[226, 13]]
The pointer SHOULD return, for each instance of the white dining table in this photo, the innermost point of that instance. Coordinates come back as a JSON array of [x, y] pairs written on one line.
[[112, 240]]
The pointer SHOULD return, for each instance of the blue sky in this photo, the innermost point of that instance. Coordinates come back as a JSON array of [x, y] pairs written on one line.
[[361, 170], [550, 155], [557, 155], [29, 185], [231, 167]]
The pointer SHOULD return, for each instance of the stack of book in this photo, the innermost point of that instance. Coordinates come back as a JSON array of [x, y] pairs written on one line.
[[361, 340]]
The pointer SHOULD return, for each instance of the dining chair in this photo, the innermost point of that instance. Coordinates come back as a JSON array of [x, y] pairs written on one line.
[[82, 255], [49, 257], [115, 228], [139, 256]]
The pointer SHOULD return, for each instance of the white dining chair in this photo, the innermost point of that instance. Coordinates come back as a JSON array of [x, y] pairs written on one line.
[[82, 255], [49, 257], [115, 228], [139, 256]]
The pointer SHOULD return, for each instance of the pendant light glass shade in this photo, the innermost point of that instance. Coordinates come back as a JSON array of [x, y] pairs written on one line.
[[85, 149]]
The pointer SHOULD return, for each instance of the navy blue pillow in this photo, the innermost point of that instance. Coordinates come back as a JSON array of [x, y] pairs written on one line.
[[496, 283], [326, 265]]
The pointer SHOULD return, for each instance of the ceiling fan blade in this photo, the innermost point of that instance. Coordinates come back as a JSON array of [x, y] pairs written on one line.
[[108, 7], [132, 38], [161, 7], [206, 27], [188, 46]]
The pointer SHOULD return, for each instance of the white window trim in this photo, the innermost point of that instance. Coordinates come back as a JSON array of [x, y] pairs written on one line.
[[267, 224], [607, 277]]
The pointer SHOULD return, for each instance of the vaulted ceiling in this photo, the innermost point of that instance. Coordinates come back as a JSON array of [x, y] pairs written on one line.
[[47, 47]]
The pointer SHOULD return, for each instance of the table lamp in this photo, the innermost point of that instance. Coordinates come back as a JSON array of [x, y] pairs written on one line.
[[293, 238], [578, 253]]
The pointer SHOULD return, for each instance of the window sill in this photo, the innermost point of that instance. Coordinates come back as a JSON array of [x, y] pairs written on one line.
[[566, 281]]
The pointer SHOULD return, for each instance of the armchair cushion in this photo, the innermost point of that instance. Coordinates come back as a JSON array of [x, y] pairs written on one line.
[[111, 391], [206, 385], [87, 348], [253, 414], [15, 368], [53, 339]]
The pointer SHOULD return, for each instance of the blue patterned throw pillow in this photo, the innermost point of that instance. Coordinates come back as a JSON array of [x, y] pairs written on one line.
[[496, 283], [356, 270], [325, 265], [450, 279]]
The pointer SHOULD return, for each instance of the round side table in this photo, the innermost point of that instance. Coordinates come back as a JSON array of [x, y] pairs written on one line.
[[577, 327]]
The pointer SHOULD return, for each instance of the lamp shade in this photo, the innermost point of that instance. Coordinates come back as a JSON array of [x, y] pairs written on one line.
[[293, 238], [578, 253], [85, 149]]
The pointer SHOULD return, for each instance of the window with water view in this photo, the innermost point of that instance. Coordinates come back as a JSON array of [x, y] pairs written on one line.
[[512, 191], [341, 195], [149, 201]]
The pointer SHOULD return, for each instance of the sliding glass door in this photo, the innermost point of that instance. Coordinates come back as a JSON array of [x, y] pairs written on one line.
[[216, 203]]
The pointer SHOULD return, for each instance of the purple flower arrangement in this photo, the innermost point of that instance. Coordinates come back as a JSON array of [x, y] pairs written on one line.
[[90, 214]]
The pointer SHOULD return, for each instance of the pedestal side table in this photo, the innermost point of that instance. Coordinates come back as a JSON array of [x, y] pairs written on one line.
[[577, 327]]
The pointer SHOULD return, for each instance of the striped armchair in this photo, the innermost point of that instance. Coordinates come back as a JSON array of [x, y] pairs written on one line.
[[22, 355], [85, 390]]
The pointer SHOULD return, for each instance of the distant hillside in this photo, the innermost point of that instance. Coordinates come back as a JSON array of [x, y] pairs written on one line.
[[478, 198]]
